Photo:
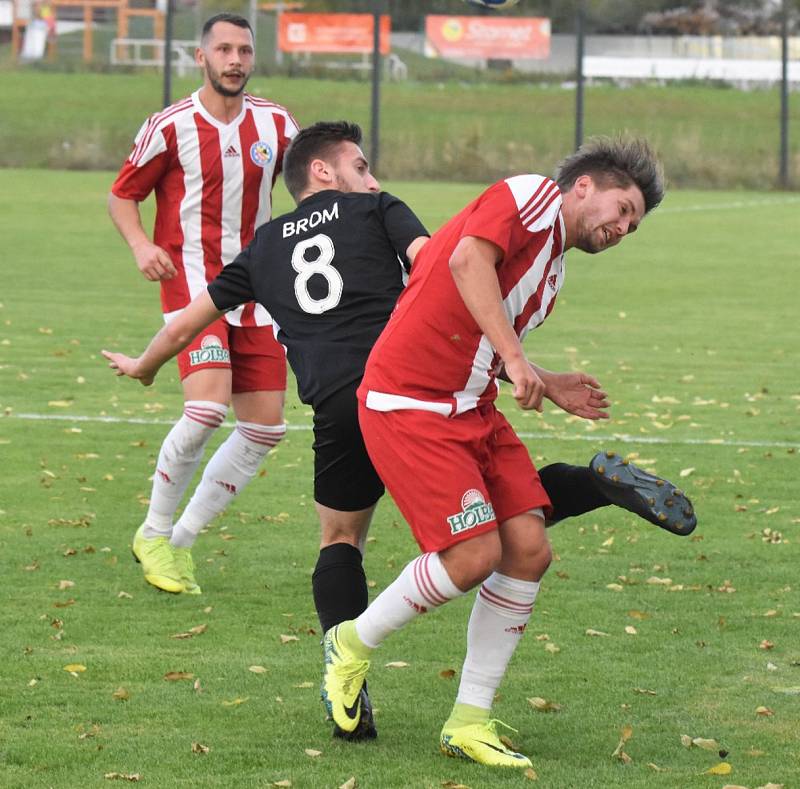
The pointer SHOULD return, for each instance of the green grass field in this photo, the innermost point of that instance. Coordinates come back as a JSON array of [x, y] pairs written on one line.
[[691, 327], [449, 131]]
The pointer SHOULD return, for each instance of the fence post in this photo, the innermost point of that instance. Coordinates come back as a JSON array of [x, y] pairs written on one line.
[[783, 174], [579, 42]]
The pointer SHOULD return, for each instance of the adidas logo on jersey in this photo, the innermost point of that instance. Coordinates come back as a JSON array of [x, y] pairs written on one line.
[[231, 151]]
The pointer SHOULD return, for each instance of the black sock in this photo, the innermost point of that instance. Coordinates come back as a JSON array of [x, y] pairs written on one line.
[[339, 585], [571, 490]]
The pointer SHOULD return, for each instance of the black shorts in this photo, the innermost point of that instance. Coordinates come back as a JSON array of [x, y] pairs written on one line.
[[344, 478]]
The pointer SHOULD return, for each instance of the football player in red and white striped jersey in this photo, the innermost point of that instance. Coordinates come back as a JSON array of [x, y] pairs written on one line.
[[455, 467], [211, 159]]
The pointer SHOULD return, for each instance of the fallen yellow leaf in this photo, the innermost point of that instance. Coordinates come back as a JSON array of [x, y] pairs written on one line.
[[705, 744], [312, 753], [121, 694], [258, 669], [288, 639], [765, 711], [235, 702], [350, 783], [75, 667], [531, 775], [723, 768], [397, 664]]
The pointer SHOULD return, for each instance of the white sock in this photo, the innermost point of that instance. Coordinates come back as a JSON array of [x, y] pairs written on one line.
[[501, 612], [231, 467], [423, 584], [178, 459]]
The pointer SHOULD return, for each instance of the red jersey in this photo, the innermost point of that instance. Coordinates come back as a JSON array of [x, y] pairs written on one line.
[[213, 183], [432, 355]]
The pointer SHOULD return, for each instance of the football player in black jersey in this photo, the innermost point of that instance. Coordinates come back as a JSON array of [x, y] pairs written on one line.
[[329, 273]]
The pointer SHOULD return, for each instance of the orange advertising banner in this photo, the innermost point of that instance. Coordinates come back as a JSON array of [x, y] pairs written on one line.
[[487, 37], [331, 33]]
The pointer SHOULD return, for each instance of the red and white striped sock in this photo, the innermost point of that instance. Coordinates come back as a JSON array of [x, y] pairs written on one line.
[[499, 617], [178, 459], [230, 468], [423, 584]]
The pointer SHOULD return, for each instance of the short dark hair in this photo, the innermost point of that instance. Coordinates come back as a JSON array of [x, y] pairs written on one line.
[[616, 162], [314, 142], [231, 19]]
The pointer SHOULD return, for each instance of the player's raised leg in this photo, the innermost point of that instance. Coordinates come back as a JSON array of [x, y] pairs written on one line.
[[610, 479]]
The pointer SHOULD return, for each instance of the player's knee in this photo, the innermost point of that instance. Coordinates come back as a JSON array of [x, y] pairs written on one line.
[[252, 443], [191, 433], [471, 562]]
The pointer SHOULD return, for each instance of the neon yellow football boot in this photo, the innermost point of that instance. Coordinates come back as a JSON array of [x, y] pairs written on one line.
[[158, 562], [480, 742], [185, 565], [343, 680]]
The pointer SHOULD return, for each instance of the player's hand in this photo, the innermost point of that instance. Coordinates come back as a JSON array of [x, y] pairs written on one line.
[[578, 394], [529, 388], [125, 365], [154, 263]]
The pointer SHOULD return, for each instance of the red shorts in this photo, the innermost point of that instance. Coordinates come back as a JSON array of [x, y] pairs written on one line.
[[452, 478], [255, 358]]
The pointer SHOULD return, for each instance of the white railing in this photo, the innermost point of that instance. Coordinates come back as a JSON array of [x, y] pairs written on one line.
[[150, 52]]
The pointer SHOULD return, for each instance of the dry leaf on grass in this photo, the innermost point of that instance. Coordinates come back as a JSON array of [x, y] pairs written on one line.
[[235, 702], [198, 630], [133, 777], [200, 748], [447, 673], [62, 585], [305, 685], [257, 669], [723, 768], [765, 711], [543, 705], [288, 639], [283, 784], [350, 783], [656, 768], [619, 753], [75, 668], [591, 632], [397, 664], [174, 676], [644, 691], [121, 694], [312, 752], [631, 630], [125, 596], [552, 648], [454, 785], [530, 774]]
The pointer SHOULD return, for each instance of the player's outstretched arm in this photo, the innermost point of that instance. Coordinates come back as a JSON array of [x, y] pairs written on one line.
[[153, 261], [172, 338], [576, 393], [472, 265]]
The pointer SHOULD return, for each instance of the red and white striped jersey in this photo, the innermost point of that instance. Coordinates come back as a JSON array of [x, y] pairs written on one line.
[[213, 184], [432, 355]]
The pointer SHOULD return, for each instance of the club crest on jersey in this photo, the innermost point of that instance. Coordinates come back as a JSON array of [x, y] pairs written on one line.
[[474, 512], [211, 350], [261, 153], [552, 281]]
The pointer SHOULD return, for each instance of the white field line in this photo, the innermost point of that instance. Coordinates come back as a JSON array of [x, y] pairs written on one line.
[[731, 206], [622, 438]]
